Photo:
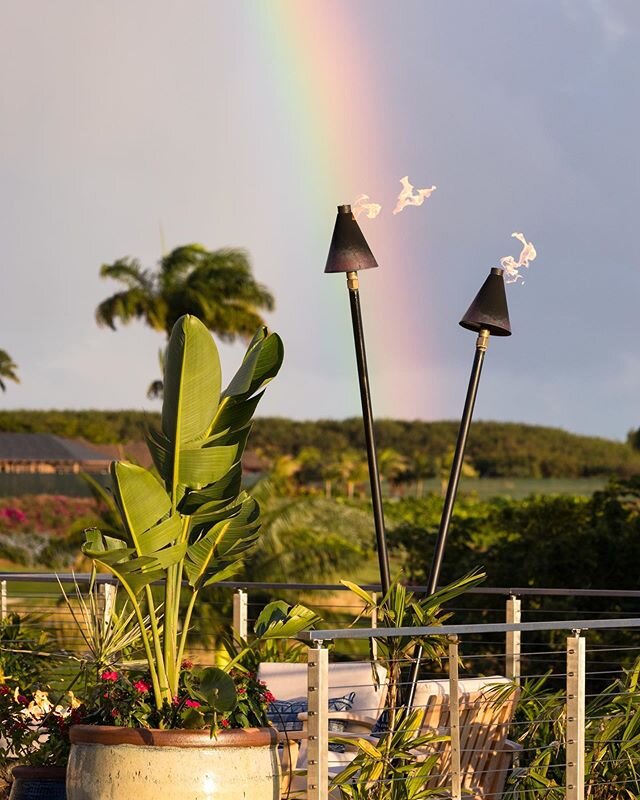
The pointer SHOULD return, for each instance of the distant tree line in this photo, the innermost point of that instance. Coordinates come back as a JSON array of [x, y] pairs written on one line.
[[495, 449], [333, 450]]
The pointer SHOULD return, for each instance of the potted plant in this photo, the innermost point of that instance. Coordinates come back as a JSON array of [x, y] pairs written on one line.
[[185, 526], [35, 737]]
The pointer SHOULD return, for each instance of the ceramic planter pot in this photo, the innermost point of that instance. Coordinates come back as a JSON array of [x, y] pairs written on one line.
[[38, 783], [144, 764]]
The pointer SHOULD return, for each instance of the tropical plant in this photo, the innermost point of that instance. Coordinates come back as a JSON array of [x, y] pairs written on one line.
[[27, 652], [386, 769], [612, 736], [8, 369], [215, 286], [389, 768], [189, 520]]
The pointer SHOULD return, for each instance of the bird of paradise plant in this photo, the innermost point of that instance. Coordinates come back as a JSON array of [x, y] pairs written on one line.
[[188, 520]]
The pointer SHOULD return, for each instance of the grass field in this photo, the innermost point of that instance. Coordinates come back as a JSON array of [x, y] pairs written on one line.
[[522, 487]]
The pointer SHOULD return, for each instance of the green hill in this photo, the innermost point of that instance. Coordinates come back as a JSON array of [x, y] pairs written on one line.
[[495, 449]]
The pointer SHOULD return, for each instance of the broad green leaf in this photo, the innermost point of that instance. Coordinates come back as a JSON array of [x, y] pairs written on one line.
[[218, 689], [261, 363], [222, 492], [205, 465], [192, 382], [161, 453], [224, 546], [232, 416], [161, 535], [280, 621], [142, 500]]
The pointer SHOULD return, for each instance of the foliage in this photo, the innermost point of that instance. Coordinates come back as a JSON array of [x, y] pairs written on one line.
[[387, 769], [189, 519], [8, 370], [215, 286], [124, 698], [612, 739], [35, 731], [26, 651], [530, 542]]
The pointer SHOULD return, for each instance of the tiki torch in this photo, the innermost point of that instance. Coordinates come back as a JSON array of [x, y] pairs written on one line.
[[349, 252], [488, 314]]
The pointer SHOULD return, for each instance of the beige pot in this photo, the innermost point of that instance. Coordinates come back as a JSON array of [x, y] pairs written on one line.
[[138, 764]]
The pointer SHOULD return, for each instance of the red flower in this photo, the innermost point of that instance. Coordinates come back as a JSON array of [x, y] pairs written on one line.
[[192, 704], [187, 664], [141, 686], [22, 699], [242, 690], [109, 675], [115, 712], [224, 723], [269, 697]]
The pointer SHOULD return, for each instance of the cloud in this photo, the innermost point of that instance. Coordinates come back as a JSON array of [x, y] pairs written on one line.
[[616, 19]]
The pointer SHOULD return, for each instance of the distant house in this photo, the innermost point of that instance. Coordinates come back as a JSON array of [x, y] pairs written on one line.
[[46, 453]]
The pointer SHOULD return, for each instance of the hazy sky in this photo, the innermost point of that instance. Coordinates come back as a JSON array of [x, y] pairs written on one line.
[[245, 122]]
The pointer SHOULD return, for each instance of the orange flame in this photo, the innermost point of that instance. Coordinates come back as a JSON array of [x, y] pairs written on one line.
[[407, 196], [512, 267], [360, 207]]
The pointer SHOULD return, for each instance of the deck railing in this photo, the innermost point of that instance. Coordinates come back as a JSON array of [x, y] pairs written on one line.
[[577, 652]]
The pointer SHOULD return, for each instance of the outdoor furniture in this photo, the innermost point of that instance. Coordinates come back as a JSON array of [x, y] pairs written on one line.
[[486, 708], [288, 681]]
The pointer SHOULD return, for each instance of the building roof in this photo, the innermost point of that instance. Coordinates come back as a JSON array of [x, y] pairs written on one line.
[[45, 447]]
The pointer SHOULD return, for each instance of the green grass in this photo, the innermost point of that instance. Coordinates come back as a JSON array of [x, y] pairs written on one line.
[[517, 488]]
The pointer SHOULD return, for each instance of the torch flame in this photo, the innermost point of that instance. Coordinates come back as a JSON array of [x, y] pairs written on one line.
[[360, 207], [407, 196], [511, 266]]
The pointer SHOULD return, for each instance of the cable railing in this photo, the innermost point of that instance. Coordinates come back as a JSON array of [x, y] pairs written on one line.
[[524, 707]]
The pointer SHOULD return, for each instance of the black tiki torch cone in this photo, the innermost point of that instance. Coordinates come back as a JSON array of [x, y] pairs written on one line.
[[349, 253]]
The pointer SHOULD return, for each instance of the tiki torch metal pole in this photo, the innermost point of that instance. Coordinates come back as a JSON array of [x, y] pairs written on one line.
[[349, 253], [369, 435], [486, 315]]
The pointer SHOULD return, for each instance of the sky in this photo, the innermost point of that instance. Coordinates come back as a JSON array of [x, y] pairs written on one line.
[[126, 128]]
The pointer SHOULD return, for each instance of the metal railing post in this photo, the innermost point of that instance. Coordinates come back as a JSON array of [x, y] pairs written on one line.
[[318, 724], [454, 710], [108, 592], [374, 624], [513, 639], [576, 668], [240, 613], [3, 600]]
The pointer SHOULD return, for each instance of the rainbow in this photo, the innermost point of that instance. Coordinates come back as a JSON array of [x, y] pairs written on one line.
[[332, 93]]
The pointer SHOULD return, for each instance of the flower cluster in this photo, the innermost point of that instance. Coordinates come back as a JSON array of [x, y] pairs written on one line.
[[124, 698], [35, 730], [12, 514]]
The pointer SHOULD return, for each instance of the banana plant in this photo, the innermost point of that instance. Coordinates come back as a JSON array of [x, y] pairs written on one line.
[[186, 521]]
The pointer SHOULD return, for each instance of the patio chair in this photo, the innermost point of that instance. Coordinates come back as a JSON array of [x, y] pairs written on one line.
[[355, 680], [487, 706]]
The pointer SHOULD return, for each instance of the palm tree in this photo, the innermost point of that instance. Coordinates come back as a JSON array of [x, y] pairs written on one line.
[[214, 285], [392, 465], [443, 465], [7, 369]]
